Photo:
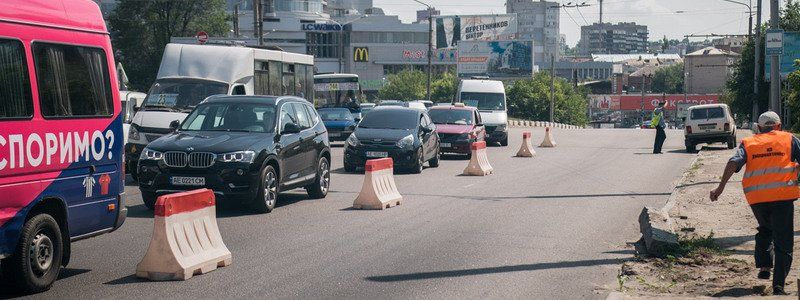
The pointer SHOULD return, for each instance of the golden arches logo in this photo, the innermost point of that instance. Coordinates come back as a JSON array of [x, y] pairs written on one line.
[[360, 54]]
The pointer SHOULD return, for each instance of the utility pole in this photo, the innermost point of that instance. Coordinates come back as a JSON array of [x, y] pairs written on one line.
[[430, 46], [258, 28], [552, 87], [236, 21], [641, 103], [775, 74], [601, 11], [757, 63]]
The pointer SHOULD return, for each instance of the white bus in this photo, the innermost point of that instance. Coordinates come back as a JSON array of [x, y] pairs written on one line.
[[334, 90]]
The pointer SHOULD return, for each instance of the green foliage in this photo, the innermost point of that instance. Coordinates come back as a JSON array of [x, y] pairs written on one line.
[[443, 88], [669, 79], [530, 99], [405, 85], [140, 29], [410, 85], [793, 98], [739, 86]]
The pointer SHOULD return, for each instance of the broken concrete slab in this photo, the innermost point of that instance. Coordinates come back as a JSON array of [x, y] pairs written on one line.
[[658, 237]]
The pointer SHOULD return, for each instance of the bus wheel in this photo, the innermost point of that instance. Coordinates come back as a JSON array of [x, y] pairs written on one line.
[[35, 264]]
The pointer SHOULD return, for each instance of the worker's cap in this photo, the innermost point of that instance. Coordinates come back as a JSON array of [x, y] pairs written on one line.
[[769, 118]]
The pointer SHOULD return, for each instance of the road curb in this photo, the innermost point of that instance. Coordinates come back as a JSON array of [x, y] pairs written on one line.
[[673, 197]]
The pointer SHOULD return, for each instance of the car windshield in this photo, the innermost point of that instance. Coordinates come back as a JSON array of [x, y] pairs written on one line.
[[238, 117], [392, 103], [707, 113], [336, 114], [390, 119], [484, 101], [181, 95], [451, 116]]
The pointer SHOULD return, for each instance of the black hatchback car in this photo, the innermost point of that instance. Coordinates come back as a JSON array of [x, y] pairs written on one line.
[[244, 148], [406, 135]]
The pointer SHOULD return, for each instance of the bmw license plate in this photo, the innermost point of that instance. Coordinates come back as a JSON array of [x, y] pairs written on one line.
[[334, 134], [377, 154], [445, 145], [189, 181]]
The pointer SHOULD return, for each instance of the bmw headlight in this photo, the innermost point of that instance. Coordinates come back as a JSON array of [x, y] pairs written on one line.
[[133, 133], [238, 156], [352, 140], [405, 142], [150, 154]]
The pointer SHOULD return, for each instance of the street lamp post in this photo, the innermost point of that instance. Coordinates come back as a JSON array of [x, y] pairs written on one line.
[[341, 38], [430, 46]]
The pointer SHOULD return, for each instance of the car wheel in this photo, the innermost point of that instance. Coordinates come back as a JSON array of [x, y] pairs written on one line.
[[732, 142], [267, 194], [34, 265], [417, 168], [690, 147], [434, 162], [504, 142], [349, 168], [149, 200], [319, 189]]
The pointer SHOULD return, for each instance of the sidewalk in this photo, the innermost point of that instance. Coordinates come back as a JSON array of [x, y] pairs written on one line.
[[719, 239]]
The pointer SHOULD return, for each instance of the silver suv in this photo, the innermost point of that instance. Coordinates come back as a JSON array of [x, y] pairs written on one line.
[[709, 123]]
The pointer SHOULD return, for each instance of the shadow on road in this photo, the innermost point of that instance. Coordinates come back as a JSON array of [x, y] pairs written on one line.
[[737, 292], [229, 209], [126, 280], [732, 241], [6, 290], [495, 270], [497, 198]]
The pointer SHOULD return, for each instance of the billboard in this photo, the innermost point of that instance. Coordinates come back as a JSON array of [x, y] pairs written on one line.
[[448, 31], [604, 102], [495, 58], [791, 51], [635, 102]]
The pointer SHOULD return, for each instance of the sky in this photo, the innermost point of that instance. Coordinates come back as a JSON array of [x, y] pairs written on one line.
[[673, 18]]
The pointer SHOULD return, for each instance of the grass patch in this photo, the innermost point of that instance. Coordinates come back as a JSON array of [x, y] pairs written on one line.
[[694, 245]]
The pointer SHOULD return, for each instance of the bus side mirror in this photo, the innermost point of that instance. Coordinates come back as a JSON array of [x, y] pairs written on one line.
[[174, 125]]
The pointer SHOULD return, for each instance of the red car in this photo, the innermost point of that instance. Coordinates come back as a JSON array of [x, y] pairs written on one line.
[[458, 127]]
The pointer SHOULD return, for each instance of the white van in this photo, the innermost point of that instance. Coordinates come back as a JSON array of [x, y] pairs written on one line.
[[190, 73], [131, 102], [489, 96], [709, 123]]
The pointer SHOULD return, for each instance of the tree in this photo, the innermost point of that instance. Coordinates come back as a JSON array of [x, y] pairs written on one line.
[[530, 99], [443, 89], [140, 29], [405, 85], [793, 97], [668, 79], [739, 86]]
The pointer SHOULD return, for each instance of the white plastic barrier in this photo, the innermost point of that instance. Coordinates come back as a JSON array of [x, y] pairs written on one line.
[[526, 149], [548, 141], [379, 190], [479, 162]]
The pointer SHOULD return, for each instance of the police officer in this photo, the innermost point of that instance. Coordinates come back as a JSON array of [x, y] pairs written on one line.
[[657, 122], [770, 186]]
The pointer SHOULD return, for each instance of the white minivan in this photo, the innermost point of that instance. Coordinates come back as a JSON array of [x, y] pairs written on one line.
[[489, 96], [709, 123]]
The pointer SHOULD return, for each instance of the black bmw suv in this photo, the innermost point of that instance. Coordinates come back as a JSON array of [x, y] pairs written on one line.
[[407, 135], [244, 148]]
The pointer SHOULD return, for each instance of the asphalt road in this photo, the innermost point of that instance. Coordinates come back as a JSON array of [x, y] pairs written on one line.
[[553, 226]]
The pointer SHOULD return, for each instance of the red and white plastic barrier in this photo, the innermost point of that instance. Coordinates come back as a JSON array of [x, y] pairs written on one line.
[[379, 190], [548, 141], [479, 161], [185, 240], [526, 149]]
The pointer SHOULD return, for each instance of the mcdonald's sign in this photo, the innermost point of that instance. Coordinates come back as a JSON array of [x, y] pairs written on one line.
[[360, 54]]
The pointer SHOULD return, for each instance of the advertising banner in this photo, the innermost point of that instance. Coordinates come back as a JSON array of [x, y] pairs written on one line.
[[495, 58], [604, 102], [791, 51], [634, 102], [448, 31]]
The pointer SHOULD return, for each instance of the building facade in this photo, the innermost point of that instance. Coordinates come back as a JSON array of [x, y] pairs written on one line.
[[538, 21], [607, 38], [707, 69]]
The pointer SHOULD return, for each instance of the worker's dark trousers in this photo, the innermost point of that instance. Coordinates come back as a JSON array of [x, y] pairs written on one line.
[[776, 229], [661, 136]]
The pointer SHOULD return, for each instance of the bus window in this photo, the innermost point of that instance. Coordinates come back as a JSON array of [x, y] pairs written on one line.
[[288, 79], [301, 84], [15, 87], [275, 78], [73, 81], [261, 78], [309, 83]]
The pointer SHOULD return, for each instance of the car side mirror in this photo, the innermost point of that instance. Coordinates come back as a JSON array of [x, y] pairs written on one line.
[[290, 128], [174, 125]]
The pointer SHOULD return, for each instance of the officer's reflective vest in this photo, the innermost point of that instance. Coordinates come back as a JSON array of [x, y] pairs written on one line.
[[770, 174], [656, 119]]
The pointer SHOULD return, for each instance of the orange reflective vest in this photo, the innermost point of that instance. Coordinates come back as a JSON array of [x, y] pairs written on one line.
[[770, 174]]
